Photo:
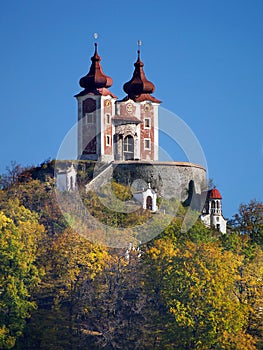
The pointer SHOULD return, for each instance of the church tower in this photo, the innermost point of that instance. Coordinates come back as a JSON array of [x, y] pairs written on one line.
[[136, 120], [111, 130], [96, 107]]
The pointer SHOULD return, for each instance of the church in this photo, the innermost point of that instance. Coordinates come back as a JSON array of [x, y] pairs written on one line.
[[112, 129], [122, 136]]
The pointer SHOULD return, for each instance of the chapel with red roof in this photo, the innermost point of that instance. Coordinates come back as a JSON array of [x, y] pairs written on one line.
[[212, 213]]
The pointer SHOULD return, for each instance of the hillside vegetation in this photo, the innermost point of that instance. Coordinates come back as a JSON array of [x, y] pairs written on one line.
[[182, 290]]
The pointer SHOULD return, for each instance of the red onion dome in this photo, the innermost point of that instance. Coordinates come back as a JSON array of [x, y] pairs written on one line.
[[95, 79], [138, 84]]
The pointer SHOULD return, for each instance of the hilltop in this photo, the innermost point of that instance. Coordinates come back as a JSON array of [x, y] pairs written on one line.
[[194, 289]]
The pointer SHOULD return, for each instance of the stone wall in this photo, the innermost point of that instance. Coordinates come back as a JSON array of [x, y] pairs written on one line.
[[169, 179], [180, 180], [102, 174]]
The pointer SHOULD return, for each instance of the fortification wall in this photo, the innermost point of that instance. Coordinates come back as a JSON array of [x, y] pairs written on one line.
[[169, 179]]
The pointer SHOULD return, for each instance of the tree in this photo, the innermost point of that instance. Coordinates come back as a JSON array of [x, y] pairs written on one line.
[[19, 234], [249, 221], [119, 311], [38, 197], [69, 261], [157, 260], [250, 292], [199, 291], [11, 176]]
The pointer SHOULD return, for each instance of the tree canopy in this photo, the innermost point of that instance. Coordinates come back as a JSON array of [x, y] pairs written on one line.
[[188, 288]]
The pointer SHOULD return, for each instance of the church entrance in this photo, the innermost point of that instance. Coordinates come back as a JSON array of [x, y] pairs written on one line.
[[128, 148], [149, 203]]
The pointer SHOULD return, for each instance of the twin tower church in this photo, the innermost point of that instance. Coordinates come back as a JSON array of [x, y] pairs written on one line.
[[112, 129], [123, 135]]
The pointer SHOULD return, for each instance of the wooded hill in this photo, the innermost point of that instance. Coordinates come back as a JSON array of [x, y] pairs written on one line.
[[182, 290]]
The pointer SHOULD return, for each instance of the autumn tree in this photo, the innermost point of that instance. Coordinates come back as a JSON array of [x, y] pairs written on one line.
[[188, 288], [249, 221], [19, 234], [68, 260], [38, 197], [120, 313], [199, 291], [250, 292], [11, 176]]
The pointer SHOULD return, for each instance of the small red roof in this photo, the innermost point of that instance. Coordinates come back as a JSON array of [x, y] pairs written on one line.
[[214, 194]]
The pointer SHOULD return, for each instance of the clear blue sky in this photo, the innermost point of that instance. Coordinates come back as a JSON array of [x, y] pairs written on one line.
[[205, 58]]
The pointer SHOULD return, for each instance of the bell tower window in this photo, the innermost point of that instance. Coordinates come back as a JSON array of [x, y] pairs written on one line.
[[89, 118], [107, 140], [147, 123], [107, 118], [147, 144]]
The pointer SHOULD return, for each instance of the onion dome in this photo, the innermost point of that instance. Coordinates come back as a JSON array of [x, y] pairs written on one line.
[[214, 194], [139, 88], [95, 79]]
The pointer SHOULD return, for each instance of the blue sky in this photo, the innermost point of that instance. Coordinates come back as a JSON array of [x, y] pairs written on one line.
[[205, 58]]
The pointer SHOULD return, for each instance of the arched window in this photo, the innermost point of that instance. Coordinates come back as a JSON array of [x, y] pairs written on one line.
[[213, 204], [128, 147]]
